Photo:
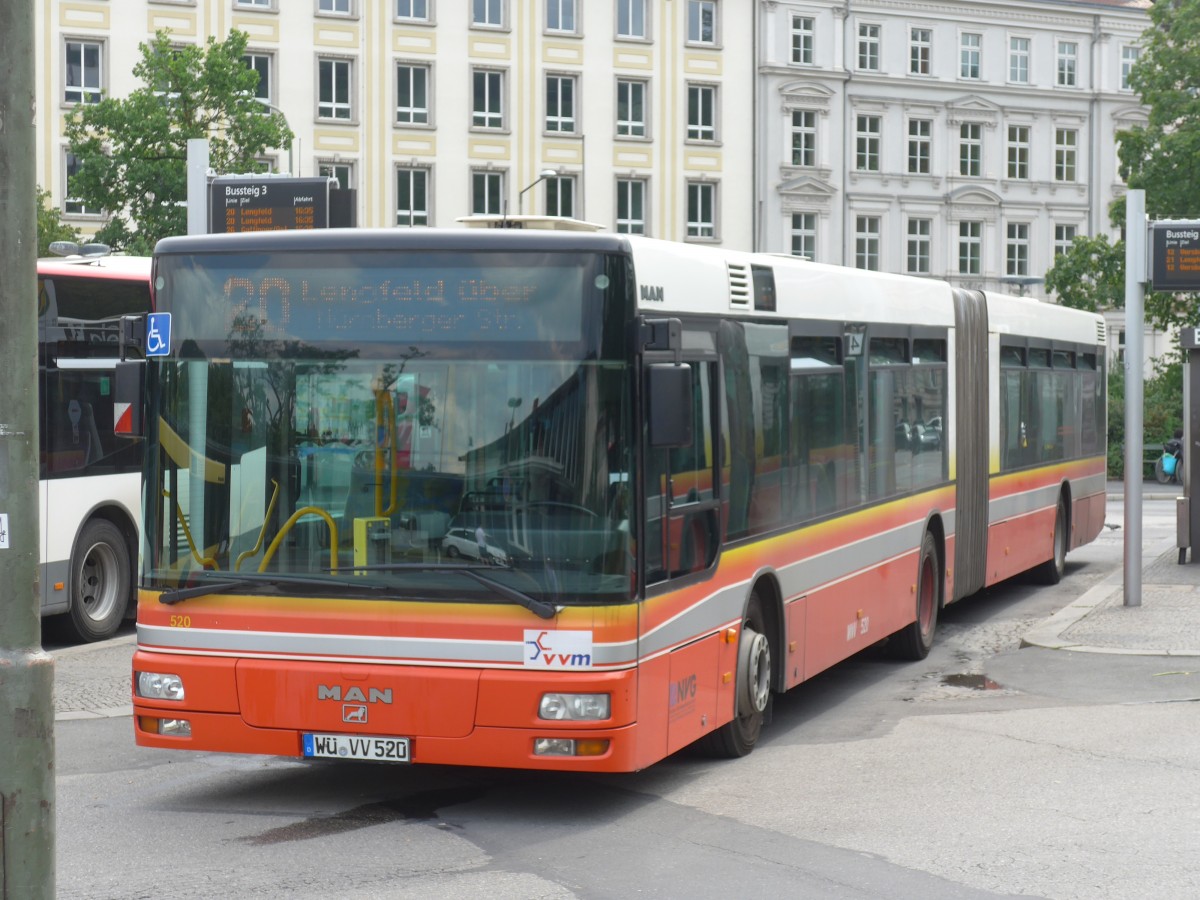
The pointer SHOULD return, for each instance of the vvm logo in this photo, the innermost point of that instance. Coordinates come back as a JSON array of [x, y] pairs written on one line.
[[558, 649]]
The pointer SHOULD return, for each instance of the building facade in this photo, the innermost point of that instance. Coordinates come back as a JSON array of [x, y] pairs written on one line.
[[628, 113]]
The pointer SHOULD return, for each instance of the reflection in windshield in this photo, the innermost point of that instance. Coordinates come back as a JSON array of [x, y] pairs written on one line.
[[347, 466]]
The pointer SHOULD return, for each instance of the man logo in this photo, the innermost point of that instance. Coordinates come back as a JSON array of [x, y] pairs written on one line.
[[354, 714], [652, 293]]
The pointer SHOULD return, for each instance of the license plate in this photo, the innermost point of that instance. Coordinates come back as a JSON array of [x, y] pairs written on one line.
[[354, 746]]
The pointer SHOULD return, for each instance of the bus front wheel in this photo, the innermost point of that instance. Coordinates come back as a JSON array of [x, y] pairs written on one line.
[[752, 689], [916, 640], [100, 582]]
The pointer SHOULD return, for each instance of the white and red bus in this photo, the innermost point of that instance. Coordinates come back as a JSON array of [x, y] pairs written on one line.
[[89, 490], [570, 500]]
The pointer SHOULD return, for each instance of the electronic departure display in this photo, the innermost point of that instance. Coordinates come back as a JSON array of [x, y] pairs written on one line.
[[349, 299], [239, 204]]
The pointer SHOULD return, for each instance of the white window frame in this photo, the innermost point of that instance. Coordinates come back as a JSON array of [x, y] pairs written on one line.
[[631, 11], [970, 247], [1066, 155], [1017, 152], [413, 218], [1016, 249], [630, 190], [330, 167], [489, 13], [868, 48], [334, 109], [868, 231], [804, 39], [918, 247], [803, 232], [561, 194], [1018, 59], [493, 181], [699, 195], [485, 117], [562, 17], [562, 115], [84, 92], [414, 10], [804, 138], [630, 127], [262, 5], [696, 10], [412, 114], [920, 146], [868, 138], [970, 55], [252, 58], [73, 206], [1066, 69], [702, 100], [340, 8], [1064, 236], [970, 149], [920, 50], [1129, 58]]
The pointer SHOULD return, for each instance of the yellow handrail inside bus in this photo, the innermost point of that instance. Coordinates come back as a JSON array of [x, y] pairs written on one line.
[[287, 526], [262, 532], [205, 561], [181, 454], [385, 421]]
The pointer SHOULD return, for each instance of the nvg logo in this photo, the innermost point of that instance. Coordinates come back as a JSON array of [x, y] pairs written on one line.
[[558, 649]]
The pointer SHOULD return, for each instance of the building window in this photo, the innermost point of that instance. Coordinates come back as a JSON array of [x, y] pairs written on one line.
[[1068, 56], [254, 4], [920, 145], [341, 172], [920, 49], [866, 143], [631, 19], [631, 206], [560, 196], [1016, 252], [866, 242], [701, 209], [1018, 151], [560, 104], [631, 108], [868, 48], [1018, 60], [702, 112], [917, 250], [412, 10], [701, 21], [969, 55], [487, 193], [487, 109], [803, 35], [84, 78], [335, 7], [1129, 58], [335, 83], [412, 197], [804, 138], [970, 149], [488, 13], [260, 63], [1066, 141], [560, 16], [804, 235], [1064, 236], [412, 95], [970, 248], [73, 206]]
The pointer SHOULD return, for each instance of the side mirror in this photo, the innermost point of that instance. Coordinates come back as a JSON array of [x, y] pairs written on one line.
[[669, 405]]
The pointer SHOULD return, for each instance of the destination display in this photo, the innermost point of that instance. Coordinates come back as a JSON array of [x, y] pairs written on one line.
[[1175, 256], [238, 204], [370, 298]]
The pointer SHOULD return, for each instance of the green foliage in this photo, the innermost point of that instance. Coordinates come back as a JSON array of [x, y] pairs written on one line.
[[1162, 412], [133, 152], [50, 226], [1090, 274]]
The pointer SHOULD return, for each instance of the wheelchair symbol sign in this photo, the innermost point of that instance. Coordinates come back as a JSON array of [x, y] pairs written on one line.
[[158, 334]]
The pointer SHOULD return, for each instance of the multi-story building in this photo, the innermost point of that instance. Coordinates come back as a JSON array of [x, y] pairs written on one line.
[[630, 113]]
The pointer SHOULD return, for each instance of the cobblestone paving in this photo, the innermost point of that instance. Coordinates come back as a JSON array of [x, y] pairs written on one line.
[[93, 682]]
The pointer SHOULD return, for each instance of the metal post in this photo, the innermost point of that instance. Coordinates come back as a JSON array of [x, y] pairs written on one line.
[[1135, 332], [197, 185], [26, 671]]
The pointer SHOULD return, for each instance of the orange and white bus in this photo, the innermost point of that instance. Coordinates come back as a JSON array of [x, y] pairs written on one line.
[[570, 500], [89, 490]]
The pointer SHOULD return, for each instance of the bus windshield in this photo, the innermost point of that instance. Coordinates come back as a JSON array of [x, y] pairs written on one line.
[[384, 427]]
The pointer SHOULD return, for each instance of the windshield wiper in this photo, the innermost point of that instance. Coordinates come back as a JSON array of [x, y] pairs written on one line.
[[178, 595], [533, 604]]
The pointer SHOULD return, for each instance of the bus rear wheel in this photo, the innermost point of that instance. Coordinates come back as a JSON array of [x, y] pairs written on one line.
[[752, 689], [100, 582], [1053, 569], [913, 642]]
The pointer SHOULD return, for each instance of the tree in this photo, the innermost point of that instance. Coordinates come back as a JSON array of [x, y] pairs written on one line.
[[133, 152], [1090, 274], [50, 226]]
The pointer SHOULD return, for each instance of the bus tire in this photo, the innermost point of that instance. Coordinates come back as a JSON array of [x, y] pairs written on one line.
[[913, 642], [1053, 569], [100, 582], [752, 690]]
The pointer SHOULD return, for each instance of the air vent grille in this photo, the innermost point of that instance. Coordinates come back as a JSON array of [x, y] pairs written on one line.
[[739, 285]]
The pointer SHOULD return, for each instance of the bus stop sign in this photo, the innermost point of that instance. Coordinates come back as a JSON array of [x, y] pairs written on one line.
[[240, 203], [1175, 256]]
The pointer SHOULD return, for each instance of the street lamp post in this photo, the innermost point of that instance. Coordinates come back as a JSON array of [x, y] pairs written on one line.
[[542, 176]]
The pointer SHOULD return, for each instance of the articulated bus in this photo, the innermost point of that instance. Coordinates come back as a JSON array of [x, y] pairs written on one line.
[[569, 500], [90, 484]]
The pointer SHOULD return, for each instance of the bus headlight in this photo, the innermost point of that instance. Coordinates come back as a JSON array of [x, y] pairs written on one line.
[[575, 707], [159, 686]]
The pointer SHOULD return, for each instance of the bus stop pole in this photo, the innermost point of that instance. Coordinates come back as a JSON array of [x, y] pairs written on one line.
[[26, 671], [1135, 276]]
